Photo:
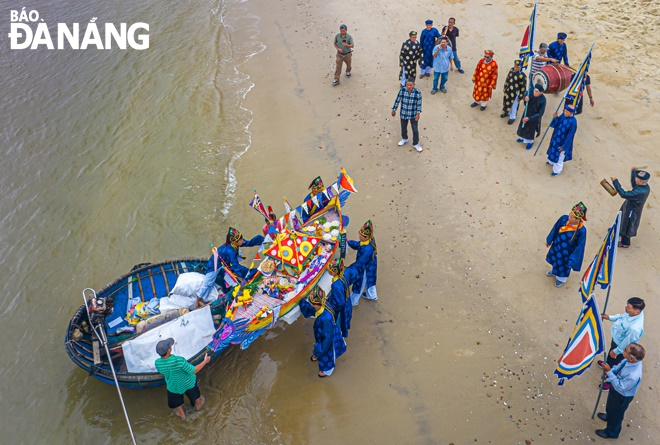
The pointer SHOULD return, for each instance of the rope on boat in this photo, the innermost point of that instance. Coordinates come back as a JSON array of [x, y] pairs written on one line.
[[104, 339]]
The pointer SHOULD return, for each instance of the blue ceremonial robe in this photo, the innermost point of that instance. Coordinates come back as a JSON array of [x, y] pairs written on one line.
[[338, 298], [229, 255], [328, 341], [427, 40], [562, 137], [367, 261], [559, 52], [566, 248]]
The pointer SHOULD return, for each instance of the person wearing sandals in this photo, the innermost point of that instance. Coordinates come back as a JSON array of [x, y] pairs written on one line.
[[566, 241], [328, 341], [631, 210]]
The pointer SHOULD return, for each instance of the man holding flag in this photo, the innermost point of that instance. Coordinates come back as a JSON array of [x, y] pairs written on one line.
[[627, 328], [626, 377]]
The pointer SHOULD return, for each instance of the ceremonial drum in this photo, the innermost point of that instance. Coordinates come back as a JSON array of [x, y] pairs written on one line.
[[554, 78]]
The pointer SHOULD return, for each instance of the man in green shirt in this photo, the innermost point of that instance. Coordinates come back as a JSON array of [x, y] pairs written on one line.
[[180, 377], [344, 46]]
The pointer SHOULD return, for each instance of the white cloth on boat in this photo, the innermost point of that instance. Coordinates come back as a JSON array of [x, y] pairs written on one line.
[[191, 332], [174, 301], [184, 293], [188, 283]]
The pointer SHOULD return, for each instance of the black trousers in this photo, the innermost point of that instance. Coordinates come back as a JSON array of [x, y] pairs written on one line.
[[613, 361], [615, 408], [625, 240], [404, 130]]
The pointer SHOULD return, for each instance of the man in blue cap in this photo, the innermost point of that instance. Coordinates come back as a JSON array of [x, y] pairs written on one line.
[[427, 39], [344, 46], [557, 50], [561, 143]]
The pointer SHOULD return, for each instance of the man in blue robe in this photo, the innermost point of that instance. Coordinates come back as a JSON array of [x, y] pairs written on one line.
[[557, 50], [342, 279], [561, 144], [230, 253], [427, 40], [317, 188], [328, 341], [366, 261], [566, 241]]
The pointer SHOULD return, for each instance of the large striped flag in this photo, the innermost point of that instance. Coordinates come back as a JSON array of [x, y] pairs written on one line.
[[584, 344], [527, 44], [602, 267], [575, 88]]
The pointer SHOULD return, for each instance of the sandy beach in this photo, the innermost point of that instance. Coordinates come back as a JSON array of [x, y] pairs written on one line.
[[462, 344]]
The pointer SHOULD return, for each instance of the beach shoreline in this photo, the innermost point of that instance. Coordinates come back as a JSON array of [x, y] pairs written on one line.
[[462, 344]]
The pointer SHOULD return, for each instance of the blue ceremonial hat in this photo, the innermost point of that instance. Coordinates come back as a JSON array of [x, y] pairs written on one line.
[[429, 22], [562, 36], [569, 107]]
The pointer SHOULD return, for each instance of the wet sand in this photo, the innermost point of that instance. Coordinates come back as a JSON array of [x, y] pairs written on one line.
[[462, 344]]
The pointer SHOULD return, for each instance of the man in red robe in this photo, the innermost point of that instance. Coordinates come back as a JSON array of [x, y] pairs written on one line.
[[484, 79]]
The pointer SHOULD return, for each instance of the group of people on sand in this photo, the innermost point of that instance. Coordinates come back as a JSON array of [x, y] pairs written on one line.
[[435, 53], [566, 242], [332, 311]]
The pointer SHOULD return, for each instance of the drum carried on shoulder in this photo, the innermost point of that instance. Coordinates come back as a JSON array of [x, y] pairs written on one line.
[[553, 78]]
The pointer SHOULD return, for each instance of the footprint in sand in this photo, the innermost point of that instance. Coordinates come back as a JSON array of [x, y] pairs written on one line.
[[464, 353]]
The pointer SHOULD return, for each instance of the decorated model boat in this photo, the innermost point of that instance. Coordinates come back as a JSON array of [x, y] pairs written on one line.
[[293, 262], [113, 335]]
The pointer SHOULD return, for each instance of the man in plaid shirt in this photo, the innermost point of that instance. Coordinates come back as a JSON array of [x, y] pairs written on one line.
[[411, 107]]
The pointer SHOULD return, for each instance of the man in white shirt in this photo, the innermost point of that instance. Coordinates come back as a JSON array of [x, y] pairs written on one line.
[[627, 328]]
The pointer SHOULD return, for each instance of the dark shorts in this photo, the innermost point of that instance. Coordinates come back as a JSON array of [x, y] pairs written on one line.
[[176, 400]]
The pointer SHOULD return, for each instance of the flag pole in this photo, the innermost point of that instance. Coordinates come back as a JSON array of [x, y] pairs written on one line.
[[607, 298], [530, 55], [546, 130], [616, 242], [584, 69]]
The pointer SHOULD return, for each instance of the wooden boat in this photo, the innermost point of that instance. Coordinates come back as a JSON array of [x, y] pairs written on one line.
[[144, 281]]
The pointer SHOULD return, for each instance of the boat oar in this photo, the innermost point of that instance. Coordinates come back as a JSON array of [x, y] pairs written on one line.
[[546, 130], [104, 339]]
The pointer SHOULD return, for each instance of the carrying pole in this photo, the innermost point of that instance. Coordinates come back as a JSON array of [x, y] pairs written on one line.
[[104, 339], [603, 374], [546, 130], [607, 299]]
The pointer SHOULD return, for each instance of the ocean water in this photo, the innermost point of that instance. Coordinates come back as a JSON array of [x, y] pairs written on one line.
[[109, 158]]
